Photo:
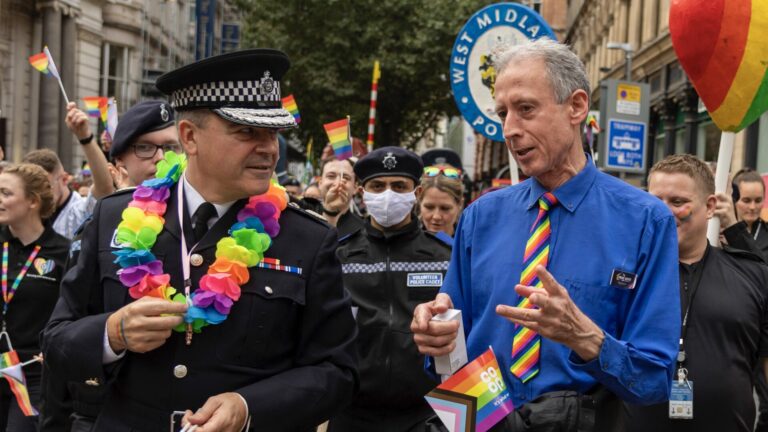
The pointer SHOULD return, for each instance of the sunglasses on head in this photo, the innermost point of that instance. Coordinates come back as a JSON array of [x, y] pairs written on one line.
[[434, 171]]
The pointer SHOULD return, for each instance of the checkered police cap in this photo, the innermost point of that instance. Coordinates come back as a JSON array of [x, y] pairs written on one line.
[[242, 87]]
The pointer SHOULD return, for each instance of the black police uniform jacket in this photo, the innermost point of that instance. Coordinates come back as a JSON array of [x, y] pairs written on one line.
[[388, 275], [287, 346]]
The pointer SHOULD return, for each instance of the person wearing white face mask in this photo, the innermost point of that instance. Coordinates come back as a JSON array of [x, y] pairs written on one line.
[[389, 267]]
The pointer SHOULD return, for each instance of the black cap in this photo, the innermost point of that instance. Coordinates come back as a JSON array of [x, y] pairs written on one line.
[[144, 117], [389, 161], [290, 181], [242, 87], [442, 156]]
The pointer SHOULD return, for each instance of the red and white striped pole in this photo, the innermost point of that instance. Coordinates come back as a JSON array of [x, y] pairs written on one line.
[[372, 113]]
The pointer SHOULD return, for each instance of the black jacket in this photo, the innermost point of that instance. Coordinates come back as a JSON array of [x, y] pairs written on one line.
[[388, 274], [287, 346], [738, 236]]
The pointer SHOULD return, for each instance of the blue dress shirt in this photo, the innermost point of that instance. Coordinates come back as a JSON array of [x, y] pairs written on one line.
[[601, 224]]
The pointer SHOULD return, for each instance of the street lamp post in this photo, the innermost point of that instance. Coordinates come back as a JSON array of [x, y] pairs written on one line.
[[627, 48]]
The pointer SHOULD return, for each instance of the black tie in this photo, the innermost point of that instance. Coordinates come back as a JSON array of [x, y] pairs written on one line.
[[200, 219]]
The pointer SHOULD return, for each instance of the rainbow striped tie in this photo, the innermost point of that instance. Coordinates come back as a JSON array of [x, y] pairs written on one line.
[[527, 343]]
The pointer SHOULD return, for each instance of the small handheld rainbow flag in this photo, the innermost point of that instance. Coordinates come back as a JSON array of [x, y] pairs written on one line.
[[39, 61], [10, 368], [93, 104], [44, 63], [289, 103], [475, 398], [338, 135], [111, 122]]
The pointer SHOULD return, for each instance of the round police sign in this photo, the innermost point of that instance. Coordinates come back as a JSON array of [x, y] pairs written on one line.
[[472, 72]]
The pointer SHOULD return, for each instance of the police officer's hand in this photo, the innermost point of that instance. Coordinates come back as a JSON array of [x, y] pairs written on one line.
[[434, 338], [557, 318], [221, 413], [337, 198], [143, 325], [77, 121], [119, 176], [724, 210]]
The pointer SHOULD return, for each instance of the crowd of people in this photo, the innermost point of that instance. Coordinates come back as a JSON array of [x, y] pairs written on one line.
[[187, 286]]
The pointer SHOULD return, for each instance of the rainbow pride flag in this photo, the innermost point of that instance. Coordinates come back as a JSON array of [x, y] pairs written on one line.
[[93, 105], [475, 398], [44, 63], [39, 61], [289, 103], [338, 135], [10, 368]]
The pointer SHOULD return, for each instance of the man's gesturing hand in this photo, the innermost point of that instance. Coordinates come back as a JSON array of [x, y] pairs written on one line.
[[557, 317], [434, 338], [143, 325]]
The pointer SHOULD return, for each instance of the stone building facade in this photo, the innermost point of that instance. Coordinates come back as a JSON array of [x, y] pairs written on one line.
[[679, 122], [101, 47]]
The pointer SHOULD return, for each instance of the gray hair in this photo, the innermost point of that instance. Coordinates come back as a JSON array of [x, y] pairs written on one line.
[[198, 117], [565, 69]]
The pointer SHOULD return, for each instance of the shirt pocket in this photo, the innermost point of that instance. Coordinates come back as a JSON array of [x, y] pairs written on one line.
[[264, 323], [599, 302]]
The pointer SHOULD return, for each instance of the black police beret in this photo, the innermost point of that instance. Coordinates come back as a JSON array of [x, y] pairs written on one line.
[[144, 117], [442, 156], [242, 87], [389, 161]]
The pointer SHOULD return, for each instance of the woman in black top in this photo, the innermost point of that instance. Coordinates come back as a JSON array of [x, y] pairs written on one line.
[[749, 205], [32, 267]]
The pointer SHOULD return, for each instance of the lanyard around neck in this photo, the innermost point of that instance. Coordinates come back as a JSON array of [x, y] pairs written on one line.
[[185, 253], [757, 231], [694, 288], [8, 295]]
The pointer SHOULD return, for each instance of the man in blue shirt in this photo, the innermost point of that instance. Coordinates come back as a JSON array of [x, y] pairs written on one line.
[[607, 308]]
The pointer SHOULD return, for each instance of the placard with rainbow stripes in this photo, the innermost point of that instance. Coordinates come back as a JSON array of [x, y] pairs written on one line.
[[475, 398], [289, 103], [338, 135]]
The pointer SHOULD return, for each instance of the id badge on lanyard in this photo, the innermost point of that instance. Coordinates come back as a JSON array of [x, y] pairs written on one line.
[[681, 397]]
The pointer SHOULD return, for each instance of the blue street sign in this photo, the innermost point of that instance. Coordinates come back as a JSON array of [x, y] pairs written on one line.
[[626, 145]]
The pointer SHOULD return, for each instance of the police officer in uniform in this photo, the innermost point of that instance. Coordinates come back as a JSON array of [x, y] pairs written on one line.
[[390, 266], [283, 359], [146, 131]]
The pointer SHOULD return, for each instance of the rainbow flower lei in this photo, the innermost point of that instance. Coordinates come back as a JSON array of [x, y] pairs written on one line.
[[142, 221]]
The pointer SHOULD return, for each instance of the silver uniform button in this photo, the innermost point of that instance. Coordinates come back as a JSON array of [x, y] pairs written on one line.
[[196, 260], [180, 371], [268, 290]]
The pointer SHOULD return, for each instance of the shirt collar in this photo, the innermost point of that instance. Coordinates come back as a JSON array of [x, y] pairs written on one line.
[[195, 200], [569, 194]]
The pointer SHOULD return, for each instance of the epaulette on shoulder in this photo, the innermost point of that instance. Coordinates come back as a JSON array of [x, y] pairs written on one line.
[[441, 238], [346, 237], [309, 214], [120, 192], [741, 253]]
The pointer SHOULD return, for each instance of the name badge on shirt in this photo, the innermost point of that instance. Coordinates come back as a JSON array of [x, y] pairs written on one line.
[[623, 279], [681, 400], [425, 279]]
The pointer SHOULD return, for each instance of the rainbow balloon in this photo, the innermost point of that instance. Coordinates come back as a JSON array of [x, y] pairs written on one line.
[[723, 47]]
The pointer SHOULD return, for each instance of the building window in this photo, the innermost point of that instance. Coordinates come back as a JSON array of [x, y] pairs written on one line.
[[675, 74], [762, 145], [708, 139], [114, 74]]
